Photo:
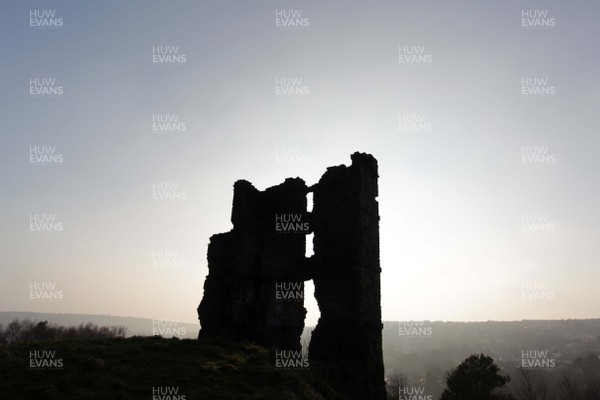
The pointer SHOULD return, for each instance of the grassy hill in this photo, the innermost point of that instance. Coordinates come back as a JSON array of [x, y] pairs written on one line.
[[130, 368]]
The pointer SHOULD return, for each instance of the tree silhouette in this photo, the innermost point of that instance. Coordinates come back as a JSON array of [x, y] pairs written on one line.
[[394, 384], [476, 378], [531, 384]]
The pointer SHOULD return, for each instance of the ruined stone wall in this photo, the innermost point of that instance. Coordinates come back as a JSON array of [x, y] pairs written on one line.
[[246, 264], [346, 275], [266, 249]]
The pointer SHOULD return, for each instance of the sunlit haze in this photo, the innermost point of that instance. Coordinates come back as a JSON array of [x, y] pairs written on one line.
[[488, 192]]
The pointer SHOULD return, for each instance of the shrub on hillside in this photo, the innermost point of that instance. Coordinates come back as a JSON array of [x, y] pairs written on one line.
[[26, 330]]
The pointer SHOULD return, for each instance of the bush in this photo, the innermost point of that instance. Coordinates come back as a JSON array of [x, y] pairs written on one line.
[[28, 331], [476, 378]]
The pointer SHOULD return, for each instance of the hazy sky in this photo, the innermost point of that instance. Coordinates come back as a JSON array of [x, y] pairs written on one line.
[[465, 222]]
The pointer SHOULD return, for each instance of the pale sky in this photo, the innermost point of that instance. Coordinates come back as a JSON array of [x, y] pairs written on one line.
[[454, 190]]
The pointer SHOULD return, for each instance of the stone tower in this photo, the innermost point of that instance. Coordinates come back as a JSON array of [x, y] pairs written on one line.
[[265, 250], [346, 276], [246, 263]]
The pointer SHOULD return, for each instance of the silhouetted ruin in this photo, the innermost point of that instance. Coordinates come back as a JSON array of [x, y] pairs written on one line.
[[256, 268]]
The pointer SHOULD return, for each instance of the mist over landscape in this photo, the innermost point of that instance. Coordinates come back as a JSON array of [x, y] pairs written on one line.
[[413, 184]]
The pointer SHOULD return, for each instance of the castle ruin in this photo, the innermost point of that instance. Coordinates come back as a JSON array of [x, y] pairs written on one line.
[[253, 267]]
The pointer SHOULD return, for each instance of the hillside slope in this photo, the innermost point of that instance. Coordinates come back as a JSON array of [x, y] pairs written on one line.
[[149, 368]]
